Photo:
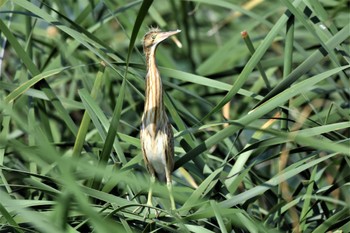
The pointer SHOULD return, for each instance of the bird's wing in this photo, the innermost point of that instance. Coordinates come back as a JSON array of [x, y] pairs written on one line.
[[169, 151]]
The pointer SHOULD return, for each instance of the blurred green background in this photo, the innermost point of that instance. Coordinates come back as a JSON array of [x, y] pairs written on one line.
[[258, 97]]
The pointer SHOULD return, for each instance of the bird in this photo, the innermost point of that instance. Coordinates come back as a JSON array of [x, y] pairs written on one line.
[[156, 135]]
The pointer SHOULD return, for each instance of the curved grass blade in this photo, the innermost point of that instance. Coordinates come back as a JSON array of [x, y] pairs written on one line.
[[311, 61], [266, 108], [283, 176], [35, 71], [10, 219], [100, 121], [31, 82], [252, 63], [85, 122]]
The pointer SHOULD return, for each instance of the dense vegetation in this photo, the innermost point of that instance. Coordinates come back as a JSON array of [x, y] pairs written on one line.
[[258, 97]]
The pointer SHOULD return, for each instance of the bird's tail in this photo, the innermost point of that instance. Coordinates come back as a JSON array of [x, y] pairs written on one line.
[[161, 177]]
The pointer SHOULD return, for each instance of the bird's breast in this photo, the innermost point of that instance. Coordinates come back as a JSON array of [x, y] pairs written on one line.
[[154, 146]]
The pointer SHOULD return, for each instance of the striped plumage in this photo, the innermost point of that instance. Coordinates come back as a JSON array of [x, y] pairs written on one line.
[[156, 135]]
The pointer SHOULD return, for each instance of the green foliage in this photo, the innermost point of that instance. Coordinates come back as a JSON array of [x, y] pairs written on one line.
[[261, 119]]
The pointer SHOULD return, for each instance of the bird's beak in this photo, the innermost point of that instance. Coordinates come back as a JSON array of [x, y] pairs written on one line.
[[164, 35]]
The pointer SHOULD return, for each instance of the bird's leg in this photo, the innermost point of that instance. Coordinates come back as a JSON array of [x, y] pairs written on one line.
[[170, 188], [172, 201], [149, 199]]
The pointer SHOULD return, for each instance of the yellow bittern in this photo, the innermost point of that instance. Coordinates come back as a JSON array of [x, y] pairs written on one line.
[[156, 135]]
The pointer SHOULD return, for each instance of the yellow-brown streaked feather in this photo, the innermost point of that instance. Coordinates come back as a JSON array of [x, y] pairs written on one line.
[[144, 154]]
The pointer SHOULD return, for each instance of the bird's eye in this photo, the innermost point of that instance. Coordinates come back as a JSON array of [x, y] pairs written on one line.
[[154, 36]]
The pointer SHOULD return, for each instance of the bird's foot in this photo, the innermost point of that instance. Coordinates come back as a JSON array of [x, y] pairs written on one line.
[[150, 213]]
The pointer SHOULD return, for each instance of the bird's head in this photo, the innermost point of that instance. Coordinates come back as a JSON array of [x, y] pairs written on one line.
[[154, 37]]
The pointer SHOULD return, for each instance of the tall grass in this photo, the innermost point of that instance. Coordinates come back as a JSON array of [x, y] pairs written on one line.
[[261, 118]]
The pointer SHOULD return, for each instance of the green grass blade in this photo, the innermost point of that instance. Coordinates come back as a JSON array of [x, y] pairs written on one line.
[[316, 56], [258, 190], [252, 63], [267, 107], [85, 122], [30, 83]]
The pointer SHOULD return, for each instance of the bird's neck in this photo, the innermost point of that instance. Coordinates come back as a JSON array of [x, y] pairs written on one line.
[[154, 109]]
